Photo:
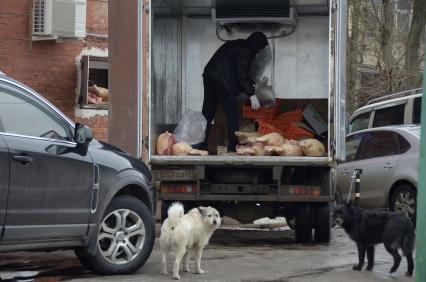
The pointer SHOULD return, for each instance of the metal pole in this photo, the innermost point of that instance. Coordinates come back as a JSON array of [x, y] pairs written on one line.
[[421, 199], [357, 186]]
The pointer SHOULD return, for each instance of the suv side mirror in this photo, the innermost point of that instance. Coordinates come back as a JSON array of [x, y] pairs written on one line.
[[82, 136]]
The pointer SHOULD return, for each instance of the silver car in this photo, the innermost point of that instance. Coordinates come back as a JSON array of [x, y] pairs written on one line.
[[389, 158]]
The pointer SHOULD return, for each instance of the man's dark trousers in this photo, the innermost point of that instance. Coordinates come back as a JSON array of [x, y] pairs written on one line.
[[213, 94]]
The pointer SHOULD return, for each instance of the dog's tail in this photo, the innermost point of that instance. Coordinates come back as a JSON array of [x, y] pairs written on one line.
[[175, 213], [408, 244]]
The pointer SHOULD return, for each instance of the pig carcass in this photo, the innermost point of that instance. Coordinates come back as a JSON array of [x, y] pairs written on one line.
[[247, 137], [312, 147], [255, 149], [289, 148], [184, 149], [165, 143], [271, 139]]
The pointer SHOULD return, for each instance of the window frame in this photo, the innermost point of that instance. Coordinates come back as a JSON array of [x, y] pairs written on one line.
[[358, 149], [84, 82], [414, 110], [362, 146], [369, 112], [387, 106], [43, 106]]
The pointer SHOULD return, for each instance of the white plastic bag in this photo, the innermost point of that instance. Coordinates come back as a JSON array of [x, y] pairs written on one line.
[[191, 128], [264, 93]]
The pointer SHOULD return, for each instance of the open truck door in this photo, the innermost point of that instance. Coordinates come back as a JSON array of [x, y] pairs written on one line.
[[126, 76], [339, 9]]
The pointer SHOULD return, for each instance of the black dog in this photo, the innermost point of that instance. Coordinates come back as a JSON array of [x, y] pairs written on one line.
[[368, 228]]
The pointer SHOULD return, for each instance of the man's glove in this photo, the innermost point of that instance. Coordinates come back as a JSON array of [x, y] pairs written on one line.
[[255, 104]]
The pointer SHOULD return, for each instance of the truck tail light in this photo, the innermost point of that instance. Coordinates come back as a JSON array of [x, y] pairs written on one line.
[[175, 188]]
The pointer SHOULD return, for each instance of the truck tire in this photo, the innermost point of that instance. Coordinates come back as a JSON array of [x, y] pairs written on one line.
[[137, 229], [322, 223], [303, 228]]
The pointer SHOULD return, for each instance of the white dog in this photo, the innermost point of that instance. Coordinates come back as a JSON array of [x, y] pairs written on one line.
[[187, 234]]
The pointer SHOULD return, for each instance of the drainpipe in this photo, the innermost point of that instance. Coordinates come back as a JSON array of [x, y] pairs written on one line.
[[421, 198]]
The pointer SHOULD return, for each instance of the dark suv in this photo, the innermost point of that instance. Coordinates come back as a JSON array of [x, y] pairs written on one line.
[[61, 189]]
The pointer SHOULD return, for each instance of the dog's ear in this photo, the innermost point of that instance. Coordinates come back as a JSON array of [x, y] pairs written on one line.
[[202, 210]]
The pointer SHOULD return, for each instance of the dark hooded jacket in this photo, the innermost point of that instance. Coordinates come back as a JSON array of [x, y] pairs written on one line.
[[229, 67]]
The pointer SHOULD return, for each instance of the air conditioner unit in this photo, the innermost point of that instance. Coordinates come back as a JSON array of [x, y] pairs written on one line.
[[59, 18], [253, 11]]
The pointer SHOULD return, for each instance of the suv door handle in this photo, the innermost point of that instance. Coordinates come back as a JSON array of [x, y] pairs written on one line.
[[24, 160]]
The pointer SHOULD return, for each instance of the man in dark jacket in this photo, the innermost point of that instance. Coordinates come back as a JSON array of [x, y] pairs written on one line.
[[225, 76]]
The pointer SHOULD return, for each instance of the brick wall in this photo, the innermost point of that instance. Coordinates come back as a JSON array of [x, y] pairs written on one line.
[[48, 67]]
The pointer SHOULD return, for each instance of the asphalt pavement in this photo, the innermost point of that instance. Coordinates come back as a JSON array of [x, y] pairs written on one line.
[[233, 255]]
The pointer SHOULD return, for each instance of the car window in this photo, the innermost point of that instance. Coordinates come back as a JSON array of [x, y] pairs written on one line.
[[389, 116], [378, 144], [352, 145], [403, 144], [417, 108], [360, 122], [20, 114]]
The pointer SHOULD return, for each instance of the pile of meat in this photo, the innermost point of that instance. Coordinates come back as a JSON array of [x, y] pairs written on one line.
[[97, 95], [168, 145], [253, 144]]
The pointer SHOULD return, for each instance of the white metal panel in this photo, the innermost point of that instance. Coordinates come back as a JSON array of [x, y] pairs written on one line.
[[69, 18], [166, 69], [301, 61], [42, 17], [300, 58]]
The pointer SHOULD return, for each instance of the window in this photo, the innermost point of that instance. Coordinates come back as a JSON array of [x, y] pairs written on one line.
[[352, 145], [378, 144], [389, 116], [417, 108], [94, 82], [360, 122], [403, 144], [20, 114]]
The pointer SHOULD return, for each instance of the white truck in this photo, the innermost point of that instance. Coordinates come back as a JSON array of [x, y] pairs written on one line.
[[176, 39]]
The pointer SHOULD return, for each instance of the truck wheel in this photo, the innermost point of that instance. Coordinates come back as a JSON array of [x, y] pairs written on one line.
[[303, 228], [322, 223], [124, 240]]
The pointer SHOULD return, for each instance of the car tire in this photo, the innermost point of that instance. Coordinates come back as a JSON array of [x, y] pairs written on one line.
[[121, 249], [291, 222], [403, 199], [322, 221], [303, 228]]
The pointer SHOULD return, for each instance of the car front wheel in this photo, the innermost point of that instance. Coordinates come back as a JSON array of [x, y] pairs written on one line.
[[124, 240]]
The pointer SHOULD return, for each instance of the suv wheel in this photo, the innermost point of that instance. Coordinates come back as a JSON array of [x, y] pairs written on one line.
[[125, 238], [404, 200]]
